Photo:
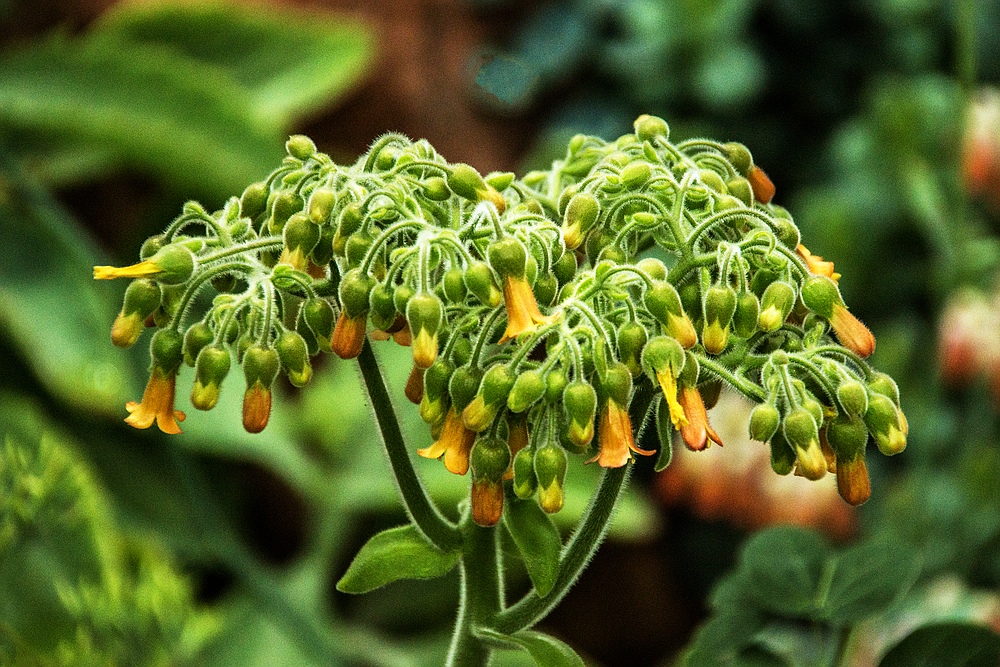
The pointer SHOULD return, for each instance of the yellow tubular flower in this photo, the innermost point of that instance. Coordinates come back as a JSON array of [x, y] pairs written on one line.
[[615, 437], [157, 404], [454, 444], [522, 309], [817, 264], [669, 385], [697, 432]]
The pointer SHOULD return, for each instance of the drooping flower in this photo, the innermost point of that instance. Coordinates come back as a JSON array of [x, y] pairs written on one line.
[[817, 264], [615, 437], [454, 443], [523, 314], [697, 432], [157, 404]]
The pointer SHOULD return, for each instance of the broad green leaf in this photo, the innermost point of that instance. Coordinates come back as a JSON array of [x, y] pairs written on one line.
[[291, 62], [783, 567], [946, 645], [546, 650], [868, 578], [51, 311], [188, 123], [538, 541], [397, 553], [736, 619]]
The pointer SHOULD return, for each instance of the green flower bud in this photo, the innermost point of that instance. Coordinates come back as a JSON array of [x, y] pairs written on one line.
[[211, 368], [648, 128], [631, 341], [463, 386], [801, 432], [300, 235], [383, 308], [617, 383], [294, 357], [764, 422], [321, 204], [454, 284], [550, 473], [555, 385], [545, 288], [580, 215], [500, 180], [300, 147], [739, 187], [883, 421], [664, 304], [284, 205], [739, 156], [508, 257], [565, 268], [787, 232], [663, 355], [260, 365], [525, 481], [318, 316], [151, 246], [635, 174], [885, 385], [142, 298], [355, 288], [479, 281], [253, 202], [491, 397], [402, 297], [712, 180], [166, 350], [349, 222], [196, 337], [425, 314], [489, 459], [775, 305], [853, 397], [356, 248], [821, 295], [747, 313], [719, 308], [782, 456], [653, 268], [580, 403], [466, 182], [436, 189], [848, 436], [529, 387], [436, 379]]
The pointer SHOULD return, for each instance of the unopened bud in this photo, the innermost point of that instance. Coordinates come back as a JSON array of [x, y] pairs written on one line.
[[525, 481], [491, 397], [550, 472], [581, 214], [764, 422], [775, 305], [648, 128], [211, 369], [300, 146], [321, 204], [719, 307], [802, 434], [883, 421], [294, 356], [664, 304], [425, 314], [631, 341], [527, 390], [580, 403], [318, 316], [739, 156], [142, 298], [747, 314], [853, 398], [479, 281], [260, 368]]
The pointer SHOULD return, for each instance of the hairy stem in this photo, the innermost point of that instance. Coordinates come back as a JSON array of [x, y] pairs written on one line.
[[425, 515]]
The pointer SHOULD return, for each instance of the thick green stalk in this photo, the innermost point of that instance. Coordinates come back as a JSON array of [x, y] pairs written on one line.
[[575, 557], [422, 511], [481, 597]]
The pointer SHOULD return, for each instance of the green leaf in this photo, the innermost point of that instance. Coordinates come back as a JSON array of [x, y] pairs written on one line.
[[397, 553], [730, 629], [946, 645], [783, 567], [188, 123], [50, 310], [547, 651], [538, 540], [868, 578], [291, 62]]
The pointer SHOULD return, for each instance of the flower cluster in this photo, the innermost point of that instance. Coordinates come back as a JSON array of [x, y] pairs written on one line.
[[545, 314]]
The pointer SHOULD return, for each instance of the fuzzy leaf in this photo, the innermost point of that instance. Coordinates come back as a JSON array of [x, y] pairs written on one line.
[[547, 651], [538, 541], [397, 553], [783, 567], [868, 578], [946, 645], [291, 62]]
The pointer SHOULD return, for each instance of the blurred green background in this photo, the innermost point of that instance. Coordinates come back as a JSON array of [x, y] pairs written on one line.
[[120, 547]]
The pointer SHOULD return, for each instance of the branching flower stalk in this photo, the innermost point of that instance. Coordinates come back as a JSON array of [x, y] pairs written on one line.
[[543, 313]]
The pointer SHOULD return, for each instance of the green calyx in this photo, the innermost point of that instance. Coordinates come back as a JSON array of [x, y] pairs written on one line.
[[508, 257], [820, 295], [293, 353], [260, 366], [211, 368], [528, 389], [355, 288], [489, 459], [166, 350]]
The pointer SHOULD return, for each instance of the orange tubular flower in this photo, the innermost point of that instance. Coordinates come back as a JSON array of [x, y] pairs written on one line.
[[349, 335], [256, 408], [615, 437], [851, 332], [157, 404], [697, 432], [454, 444], [522, 309], [817, 264]]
